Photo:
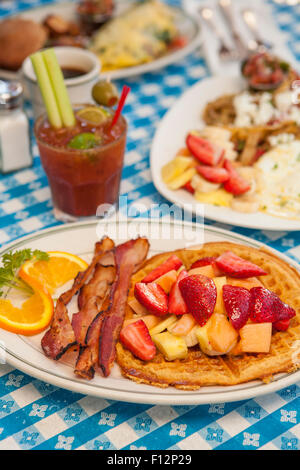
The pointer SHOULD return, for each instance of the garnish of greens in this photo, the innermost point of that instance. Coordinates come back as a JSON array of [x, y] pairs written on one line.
[[11, 262], [84, 141]]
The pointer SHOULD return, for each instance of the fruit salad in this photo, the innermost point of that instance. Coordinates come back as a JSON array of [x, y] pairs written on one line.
[[218, 304]]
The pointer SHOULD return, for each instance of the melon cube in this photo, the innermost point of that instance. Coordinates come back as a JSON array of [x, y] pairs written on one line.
[[246, 283], [256, 337], [221, 334], [151, 321], [137, 307], [167, 280], [207, 271], [219, 283]]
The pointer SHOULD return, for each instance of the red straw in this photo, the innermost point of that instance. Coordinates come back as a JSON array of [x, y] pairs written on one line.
[[121, 104]]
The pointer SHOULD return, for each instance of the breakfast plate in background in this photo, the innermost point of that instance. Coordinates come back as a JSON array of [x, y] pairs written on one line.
[[187, 28], [185, 116], [25, 352]]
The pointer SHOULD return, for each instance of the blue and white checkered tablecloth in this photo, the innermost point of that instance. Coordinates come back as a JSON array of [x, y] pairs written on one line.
[[36, 415]]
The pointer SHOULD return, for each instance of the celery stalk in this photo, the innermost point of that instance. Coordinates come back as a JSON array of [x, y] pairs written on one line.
[[46, 90], [59, 87]]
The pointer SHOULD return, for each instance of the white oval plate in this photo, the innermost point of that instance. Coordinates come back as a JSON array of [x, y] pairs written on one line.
[[186, 25], [25, 353], [170, 137]]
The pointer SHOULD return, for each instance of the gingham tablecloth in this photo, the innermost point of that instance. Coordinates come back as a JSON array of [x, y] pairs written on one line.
[[37, 415]]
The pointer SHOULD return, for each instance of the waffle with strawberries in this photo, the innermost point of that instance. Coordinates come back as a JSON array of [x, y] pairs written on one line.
[[224, 314]]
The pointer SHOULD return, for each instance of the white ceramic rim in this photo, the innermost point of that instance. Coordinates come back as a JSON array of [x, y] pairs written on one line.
[[78, 54], [235, 393]]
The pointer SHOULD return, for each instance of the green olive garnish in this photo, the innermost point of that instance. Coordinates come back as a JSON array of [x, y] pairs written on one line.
[[105, 93]]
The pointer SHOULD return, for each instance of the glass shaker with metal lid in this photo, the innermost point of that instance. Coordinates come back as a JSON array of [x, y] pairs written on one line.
[[15, 146]]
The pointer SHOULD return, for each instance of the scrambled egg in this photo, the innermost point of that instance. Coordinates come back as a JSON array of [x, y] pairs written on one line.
[[280, 192], [140, 35]]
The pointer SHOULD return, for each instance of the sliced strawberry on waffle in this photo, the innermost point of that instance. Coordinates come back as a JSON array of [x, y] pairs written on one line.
[[171, 263], [204, 150], [137, 339], [282, 325], [200, 295], [265, 306], [236, 301], [231, 264], [206, 261], [177, 305], [213, 174], [236, 184], [152, 297]]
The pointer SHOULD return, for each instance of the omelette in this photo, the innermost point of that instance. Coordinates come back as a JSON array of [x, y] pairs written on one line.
[[143, 33]]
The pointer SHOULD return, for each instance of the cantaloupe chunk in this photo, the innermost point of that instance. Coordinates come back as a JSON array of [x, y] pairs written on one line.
[[221, 334], [167, 280], [246, 283], [237, 350], [151, 321], [171, 346], [128, 321], [163, 325], [256, 337], [184, 325], [137, 307], [219, 283], [207, 271]]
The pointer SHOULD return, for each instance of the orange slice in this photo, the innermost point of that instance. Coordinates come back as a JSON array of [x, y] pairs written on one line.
[[54, 273], [32, 317]]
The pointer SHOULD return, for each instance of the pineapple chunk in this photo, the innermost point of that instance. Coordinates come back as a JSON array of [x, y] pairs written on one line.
[[137, 307], [150, 320], [176, 167], [220, 197], [203, 340], [182, 179], [172, 347], [167, 280], [201, 185], [191, 338], [163, 325], [207, 271], [219, 283], [256, 337]]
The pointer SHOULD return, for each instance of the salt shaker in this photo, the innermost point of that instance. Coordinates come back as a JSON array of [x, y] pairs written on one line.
[[15, 146]]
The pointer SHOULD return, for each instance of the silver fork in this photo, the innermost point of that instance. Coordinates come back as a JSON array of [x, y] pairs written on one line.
[[225, 52], [226, 8], [256, 44]]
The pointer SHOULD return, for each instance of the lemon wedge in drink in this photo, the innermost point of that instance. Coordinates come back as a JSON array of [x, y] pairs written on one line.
[[93, 115]]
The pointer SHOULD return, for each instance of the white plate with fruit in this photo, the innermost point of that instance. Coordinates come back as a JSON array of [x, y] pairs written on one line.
[[171, 170], [26, 354]]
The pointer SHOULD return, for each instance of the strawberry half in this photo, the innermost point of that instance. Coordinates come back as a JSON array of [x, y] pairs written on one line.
[[282, 325], [188, 187], [204, 150], [137, 339], [236, 184], [152, 297], [213, 174], [200, 295], [171, 263], [232, 264], [206, 261], [236, 301], [177, 305], [265, 306]]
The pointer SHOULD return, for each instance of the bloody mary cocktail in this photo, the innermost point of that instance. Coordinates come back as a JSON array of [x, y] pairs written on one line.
[[83, 162]]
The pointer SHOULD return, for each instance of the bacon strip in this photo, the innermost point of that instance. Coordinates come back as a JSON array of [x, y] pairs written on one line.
[[90, 300], [60, 337], [128, 257]]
